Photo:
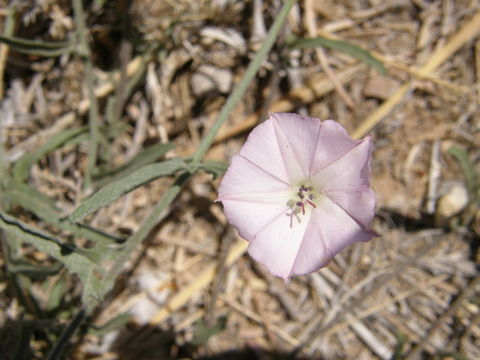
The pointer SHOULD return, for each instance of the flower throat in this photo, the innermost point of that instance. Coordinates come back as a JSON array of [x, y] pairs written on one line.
[[305, 197]]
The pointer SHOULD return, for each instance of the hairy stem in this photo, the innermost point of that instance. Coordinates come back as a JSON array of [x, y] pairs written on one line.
[[250, 73], [93, 123]]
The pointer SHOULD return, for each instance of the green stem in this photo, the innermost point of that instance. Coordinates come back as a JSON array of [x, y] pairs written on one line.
[[64, 338], [150, 222], [250, 73], [7, 32], [155, 216], [84, 51]]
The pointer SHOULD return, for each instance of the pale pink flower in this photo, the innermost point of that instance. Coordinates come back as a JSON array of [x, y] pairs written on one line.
[[299, 192]]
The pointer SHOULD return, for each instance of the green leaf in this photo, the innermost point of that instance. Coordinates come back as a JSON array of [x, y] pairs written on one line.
[[471, 177], [116, 101], [399, 347], [342, 46], [216, 168], [144, 157], [56, 294], [116, 323], [44, 208], [115, 190], [33, 200], [147, 225], [41, 240], [203, 332], [41, 48], [21, 266], [23, 165], [75, 259]]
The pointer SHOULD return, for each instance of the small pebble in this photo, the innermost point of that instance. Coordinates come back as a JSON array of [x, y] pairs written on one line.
[[451, 204]]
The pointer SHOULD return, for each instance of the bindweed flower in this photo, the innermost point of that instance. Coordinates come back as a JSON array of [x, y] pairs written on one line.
[[299, 192]]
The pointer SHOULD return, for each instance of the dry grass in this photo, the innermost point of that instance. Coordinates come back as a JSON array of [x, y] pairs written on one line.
[[417, 278]]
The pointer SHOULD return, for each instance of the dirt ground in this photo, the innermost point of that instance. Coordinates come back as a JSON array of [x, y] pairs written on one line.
[[162, 70]]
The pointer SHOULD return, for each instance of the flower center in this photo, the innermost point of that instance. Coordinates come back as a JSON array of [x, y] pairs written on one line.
[[302, 198], [305, 197]]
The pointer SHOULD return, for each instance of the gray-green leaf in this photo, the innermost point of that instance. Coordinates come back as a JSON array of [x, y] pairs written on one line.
[[40, 48], [342, 46], [22, 166], [115, 190], [75, 259]]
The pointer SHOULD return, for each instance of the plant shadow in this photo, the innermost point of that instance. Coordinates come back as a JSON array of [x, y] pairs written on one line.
[[142, 343]]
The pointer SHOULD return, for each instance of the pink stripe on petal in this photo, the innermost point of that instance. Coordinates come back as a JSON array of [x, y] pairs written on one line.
[[276, 245], [273, 197], [333, 142], [314, 252], [330, 231], [249, 218], [297, 137], [245, 177], [349, 172], [339, 228], [358, 204], [262, 149]]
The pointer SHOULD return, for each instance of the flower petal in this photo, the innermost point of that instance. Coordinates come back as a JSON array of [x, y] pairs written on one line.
[[350, 172], [245, 177], [262, 149], [346, 181], [294, 230], [276, 245], [333, 142], [358, 204], [297, 138], [330, 230], [251, 196], [249, 217]]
